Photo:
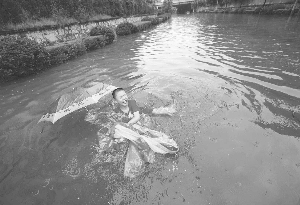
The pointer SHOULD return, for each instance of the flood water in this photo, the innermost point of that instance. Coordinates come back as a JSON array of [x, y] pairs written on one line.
[[236, 80]]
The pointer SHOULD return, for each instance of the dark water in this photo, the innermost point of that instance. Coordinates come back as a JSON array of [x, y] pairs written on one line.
[[236, 82]]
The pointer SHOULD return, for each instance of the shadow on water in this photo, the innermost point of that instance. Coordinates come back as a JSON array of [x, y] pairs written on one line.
[[235, 79]]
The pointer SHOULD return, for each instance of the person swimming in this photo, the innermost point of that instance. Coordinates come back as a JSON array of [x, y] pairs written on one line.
[[132, 112]]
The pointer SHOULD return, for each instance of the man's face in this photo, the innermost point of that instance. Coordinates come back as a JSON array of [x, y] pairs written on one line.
[[122, 98]]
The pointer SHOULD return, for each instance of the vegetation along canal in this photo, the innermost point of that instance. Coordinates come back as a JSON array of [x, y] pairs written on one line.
[[236, 82]]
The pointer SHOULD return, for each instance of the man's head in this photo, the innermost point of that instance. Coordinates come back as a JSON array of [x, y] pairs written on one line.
[[120, 96]]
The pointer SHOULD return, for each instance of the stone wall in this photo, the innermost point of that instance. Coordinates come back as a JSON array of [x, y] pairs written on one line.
[[261, 2], [76, 31], [258, 2]]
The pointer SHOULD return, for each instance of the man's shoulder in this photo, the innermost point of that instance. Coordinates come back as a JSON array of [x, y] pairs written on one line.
[[131, 101], [133, 106]]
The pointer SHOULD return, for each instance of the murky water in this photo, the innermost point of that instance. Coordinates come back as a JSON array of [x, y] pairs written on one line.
[[236, 82]]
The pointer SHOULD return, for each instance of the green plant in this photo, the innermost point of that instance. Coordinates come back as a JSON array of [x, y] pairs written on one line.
[[147, 18], [154, 21], [257, 10], [235, 11], [240, 10], [62, 52], [94, 42], [142, 25], [167, 6], [272, 9], [82, 14], [21, 55], [107, 32], [76, 48], [10, 12], [165, 16], [226, 11], [278, 6], [19, 11], [58, 54], [126, 29]]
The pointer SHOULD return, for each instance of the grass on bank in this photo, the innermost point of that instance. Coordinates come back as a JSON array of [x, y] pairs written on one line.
[[45, 22], [22, 56]]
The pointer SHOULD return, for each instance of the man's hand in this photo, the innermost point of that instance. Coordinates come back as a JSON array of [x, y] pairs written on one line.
[[136, 118], [129, 124]]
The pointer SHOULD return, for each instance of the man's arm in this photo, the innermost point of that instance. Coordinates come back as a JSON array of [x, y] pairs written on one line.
[[136, 112], [135, 119]]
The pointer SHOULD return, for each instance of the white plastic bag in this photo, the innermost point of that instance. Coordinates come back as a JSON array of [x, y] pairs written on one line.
[[159, 143], [134, 162], [142, 147]]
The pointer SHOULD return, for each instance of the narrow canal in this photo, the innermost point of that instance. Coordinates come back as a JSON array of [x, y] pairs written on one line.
[[236, 80]]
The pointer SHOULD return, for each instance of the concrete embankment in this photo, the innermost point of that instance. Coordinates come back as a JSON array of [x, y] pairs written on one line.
[[22, 55], [257, 8]]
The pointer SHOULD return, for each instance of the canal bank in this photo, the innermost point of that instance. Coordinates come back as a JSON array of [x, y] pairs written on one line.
[[270, 8], [35, 51]]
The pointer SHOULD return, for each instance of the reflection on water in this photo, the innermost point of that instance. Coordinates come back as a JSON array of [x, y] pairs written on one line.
[[236, 81]]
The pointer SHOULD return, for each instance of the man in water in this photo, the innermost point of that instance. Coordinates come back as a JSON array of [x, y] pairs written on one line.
[[130, 109]]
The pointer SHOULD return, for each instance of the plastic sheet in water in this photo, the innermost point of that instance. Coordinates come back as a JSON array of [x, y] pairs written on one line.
[[135, 160], [143, 142], [142, 147]]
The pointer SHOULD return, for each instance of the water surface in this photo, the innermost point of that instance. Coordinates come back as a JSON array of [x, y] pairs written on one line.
[[236, 82]]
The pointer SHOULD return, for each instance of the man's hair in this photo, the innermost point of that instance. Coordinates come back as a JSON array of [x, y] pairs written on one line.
[[115, 91]]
